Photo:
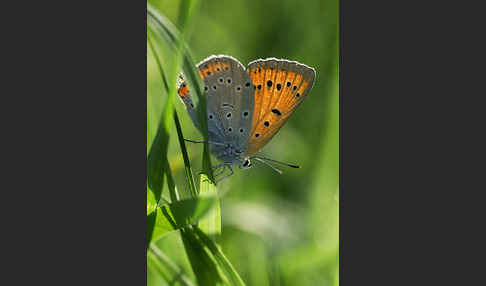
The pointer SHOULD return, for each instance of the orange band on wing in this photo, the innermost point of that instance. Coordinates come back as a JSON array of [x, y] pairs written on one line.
[[257, 76], [297, 95], [183, 90], [205, 71], [278, 86], [211, 68], [268, 86]]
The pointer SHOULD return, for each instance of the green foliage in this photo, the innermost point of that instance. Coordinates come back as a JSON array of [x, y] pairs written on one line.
[[211, 224], [257, 227], [180, 214], [163, 218]]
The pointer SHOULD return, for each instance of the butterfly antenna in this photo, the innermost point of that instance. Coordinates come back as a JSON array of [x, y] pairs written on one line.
[[278, 162], [268, 164]]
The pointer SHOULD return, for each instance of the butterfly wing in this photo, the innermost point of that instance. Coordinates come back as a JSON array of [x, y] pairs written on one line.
[[185, 97], [280, 87], [229, 94]]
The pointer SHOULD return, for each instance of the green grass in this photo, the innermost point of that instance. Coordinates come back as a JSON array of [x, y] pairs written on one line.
[[257, 227], [183, 215]]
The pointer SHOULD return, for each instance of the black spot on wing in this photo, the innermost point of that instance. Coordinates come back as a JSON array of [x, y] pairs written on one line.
[[276, 111]]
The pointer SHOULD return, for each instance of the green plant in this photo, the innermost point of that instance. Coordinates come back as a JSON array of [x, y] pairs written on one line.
[[197, 216], [275, 230]]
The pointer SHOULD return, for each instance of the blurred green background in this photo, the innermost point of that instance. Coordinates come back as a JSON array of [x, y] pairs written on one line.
[[276, 229]]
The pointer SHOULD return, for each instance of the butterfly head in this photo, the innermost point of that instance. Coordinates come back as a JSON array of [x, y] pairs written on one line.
[[241, 159], [246, 163]]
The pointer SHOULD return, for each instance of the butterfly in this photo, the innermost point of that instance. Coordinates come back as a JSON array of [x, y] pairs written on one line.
[[246, 107]]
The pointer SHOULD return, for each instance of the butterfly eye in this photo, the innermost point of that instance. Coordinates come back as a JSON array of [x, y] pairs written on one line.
[[230, 129], [206, 88], [247, 84], [220, 80], [238, 88], [257, 135], [295, 87], [210, 116], [269, 83], [288, 84], [246, 163], [229, 80], [245, 114], [241, 130], [228, 114], [266, 123], [214, 87], [279, 86], [297, 95]]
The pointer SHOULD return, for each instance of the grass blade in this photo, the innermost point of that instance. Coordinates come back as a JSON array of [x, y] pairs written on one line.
[[187, 164], [160, 260], [168, 31], [203, 264], [189, 175], [177, 215], [156, 274], [160, 164], [211, 224], [223, 262], [156, 161], [157, 60]]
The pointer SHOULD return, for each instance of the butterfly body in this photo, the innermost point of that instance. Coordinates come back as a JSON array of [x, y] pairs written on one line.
[[247, 107]]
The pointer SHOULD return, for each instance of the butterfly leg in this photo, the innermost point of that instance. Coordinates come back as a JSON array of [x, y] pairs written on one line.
[[232, 172], [217, 167]]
